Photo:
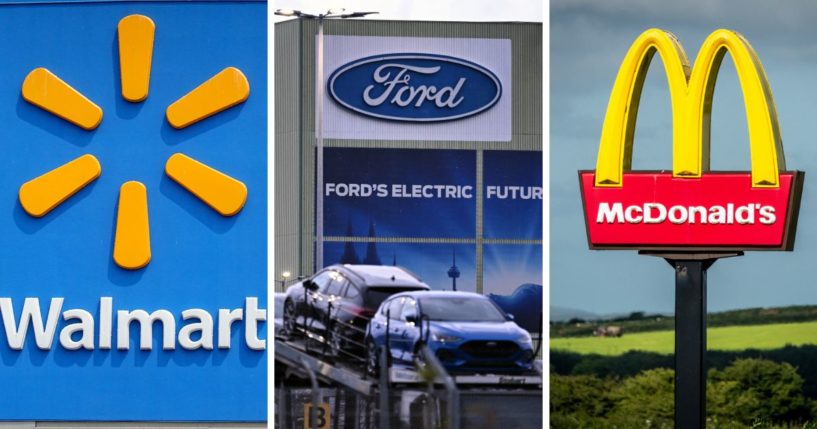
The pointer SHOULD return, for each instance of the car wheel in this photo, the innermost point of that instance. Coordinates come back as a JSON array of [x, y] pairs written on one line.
[[372, 359], [289, 318]]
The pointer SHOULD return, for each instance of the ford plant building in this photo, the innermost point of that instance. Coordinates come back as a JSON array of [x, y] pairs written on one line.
[[431, 136], [413, 149]]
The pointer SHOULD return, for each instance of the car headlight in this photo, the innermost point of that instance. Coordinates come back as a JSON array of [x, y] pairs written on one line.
[[444, 338], [525, 338]]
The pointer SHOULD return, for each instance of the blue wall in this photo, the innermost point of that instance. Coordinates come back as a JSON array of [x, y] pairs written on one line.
[[200, 259]]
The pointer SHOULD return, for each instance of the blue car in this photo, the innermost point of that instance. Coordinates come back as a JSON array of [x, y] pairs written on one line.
[[467, 332]]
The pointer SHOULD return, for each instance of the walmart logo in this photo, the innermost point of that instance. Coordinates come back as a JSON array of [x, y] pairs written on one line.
[[221, 192]]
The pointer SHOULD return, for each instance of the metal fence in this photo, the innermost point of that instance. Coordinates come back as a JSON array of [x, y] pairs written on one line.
[[433, 402]]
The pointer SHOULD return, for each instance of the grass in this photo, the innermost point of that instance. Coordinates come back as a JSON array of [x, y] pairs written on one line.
[[762, 337]]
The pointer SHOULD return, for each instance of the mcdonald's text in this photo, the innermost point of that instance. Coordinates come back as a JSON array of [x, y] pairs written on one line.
[[718, 210], [658, 213]]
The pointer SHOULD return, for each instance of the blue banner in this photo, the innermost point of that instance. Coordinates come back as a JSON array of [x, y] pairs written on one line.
[[441, 266], [399, 193], [202, 262], [513, 194], [513, 278]]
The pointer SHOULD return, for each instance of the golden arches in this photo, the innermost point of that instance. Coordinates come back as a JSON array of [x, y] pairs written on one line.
[[691, 92]]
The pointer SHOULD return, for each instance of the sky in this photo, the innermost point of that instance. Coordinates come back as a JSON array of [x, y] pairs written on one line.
[[426, 10], [588, 40]]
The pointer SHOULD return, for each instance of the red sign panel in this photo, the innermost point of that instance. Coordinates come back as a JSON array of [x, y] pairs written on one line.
[[719, 211]]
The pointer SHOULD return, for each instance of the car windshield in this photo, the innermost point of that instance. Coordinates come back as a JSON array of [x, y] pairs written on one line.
[[463, 309], [376, 295]]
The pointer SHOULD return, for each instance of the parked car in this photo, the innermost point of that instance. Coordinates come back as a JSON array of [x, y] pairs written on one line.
[[335, 305], [466, 331]]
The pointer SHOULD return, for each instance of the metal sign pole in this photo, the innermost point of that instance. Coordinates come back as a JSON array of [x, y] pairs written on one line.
[[690, 342], [690, 334]]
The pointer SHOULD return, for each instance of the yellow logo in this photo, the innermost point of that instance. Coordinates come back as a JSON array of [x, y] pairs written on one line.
[[691, 91], [221, 192]]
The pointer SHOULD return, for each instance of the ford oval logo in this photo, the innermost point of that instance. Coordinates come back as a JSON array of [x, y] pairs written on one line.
[[414, 87]]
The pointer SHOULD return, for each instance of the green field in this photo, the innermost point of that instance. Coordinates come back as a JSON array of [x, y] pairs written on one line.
[[771, 336]]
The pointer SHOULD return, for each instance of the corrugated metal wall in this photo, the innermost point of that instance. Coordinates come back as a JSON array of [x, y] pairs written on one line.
[[287, 147], [295, 96]]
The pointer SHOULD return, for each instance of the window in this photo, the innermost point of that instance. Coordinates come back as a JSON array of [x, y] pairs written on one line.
[[336, 283], [394, 307], [322, 280], [352, 291], [409, 309], [374, 295], [461, 309], [385, 308]]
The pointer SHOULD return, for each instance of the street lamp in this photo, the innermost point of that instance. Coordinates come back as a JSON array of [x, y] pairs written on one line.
[[334, 13], [284, 277]]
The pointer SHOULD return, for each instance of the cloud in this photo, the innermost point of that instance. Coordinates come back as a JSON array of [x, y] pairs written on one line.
[[437, 10], [750, 16], [588, 41]]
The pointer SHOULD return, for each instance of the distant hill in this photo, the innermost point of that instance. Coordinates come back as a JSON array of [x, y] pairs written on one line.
[[642, 322], [563, 314]]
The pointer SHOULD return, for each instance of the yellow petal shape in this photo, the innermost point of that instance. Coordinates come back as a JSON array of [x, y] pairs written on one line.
[[46, 91], [218, 190], [42, 194], [131, 249], [135, 55], [222, 91]]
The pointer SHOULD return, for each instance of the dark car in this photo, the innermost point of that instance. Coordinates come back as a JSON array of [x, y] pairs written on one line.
[[334, 306], [467, 332]]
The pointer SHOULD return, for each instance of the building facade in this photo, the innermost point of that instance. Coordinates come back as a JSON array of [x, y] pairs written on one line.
[[432, 136]]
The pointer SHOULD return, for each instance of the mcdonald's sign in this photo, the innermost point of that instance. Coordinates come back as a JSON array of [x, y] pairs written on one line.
[[692, 208]]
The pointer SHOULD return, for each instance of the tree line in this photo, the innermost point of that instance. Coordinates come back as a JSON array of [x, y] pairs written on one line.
[[639, 321], [746, 392]]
